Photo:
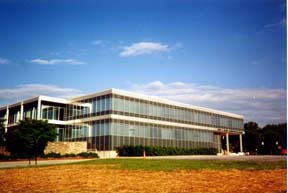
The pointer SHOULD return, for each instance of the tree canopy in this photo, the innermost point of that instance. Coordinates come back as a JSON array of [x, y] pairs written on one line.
[[30, 137], [267, 140], [2, 132]]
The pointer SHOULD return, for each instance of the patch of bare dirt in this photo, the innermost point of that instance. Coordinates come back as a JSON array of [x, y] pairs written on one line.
[[83, 178]]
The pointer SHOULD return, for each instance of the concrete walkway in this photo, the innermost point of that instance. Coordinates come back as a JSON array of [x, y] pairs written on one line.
[[267, 158], [40, 163], [225, 157]]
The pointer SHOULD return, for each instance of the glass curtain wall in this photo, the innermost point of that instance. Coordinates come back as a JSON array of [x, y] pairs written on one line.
[[95, 106], [135, 133], [108, 134], [73, 133], [30, 113], [3, 114], [146, 109], [14, 115], [123, 105], [52, 112]]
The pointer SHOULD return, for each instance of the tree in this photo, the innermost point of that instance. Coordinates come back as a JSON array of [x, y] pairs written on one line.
[[252, 137], [2, 132], [269, 140], [30, 137], [275, 138]]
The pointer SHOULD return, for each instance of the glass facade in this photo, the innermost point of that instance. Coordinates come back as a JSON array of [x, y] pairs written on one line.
[[119, 132], [30, 110], [171, 113], [73, 133], [30, 113], [128, 106], [2, 114], [14, 115], [52, 112], [160, 123]]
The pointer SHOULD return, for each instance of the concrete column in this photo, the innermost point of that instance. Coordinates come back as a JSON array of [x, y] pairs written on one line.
[[21, 111], [241, 145], [89, 131], [39, 108], [227, 142]]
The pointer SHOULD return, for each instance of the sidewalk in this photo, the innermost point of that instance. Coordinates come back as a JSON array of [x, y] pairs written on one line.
[[40, 162]]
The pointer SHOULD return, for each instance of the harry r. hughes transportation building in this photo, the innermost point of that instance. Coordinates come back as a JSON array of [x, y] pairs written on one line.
[[112, 118]]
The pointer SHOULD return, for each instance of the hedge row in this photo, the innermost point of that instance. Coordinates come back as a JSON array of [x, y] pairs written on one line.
[[83, 154], [128, 150], [50, 155]]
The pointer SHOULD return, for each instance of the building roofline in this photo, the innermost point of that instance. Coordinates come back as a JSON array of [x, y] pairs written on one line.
[[157, 100], [124, 93], [35, 98], [54, 99], [96, 94]]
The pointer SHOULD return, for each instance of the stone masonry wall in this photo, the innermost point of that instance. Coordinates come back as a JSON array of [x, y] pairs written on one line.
[[66, 147], [3, 151]]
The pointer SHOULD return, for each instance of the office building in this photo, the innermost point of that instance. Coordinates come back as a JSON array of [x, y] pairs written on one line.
[[113, 118]]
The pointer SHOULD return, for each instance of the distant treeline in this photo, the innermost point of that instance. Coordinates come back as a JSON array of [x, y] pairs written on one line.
[[270, 139]]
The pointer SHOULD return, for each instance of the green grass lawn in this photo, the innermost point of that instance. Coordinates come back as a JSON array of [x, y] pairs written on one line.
[[166, 165]]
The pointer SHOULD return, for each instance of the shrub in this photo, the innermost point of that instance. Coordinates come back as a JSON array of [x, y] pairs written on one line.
[[69, 155], [52, 155], [16, 156], [128, 150], [4, 157], [88, 155]]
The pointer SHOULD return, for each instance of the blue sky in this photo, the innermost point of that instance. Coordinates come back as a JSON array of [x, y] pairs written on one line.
[[229, 55]]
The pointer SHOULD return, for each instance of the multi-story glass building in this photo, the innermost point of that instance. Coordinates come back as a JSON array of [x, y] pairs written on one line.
[[113, 118]]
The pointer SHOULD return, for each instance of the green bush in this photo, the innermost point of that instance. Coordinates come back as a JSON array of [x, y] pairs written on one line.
[[51, 155], [69, 155], [88, 155], [16, 156], [128, 150], [4, 157]]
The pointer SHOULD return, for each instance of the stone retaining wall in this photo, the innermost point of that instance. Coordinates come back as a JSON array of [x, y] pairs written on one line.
[[3, 151], [107, 154], [66, 147]]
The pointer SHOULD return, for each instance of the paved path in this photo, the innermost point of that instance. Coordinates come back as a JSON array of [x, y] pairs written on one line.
[[231, 157], [41, 162], [214, 157]]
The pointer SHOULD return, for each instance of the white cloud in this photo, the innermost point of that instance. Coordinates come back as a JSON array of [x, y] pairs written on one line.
[[24, 91], [281, 23], [4, 61], [57, 61], [141, 48], [260, 104]]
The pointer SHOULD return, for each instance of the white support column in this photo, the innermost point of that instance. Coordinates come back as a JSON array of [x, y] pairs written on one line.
[[227, 142], [89, 131], [21, 111], [241, 145], [39, 108]]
